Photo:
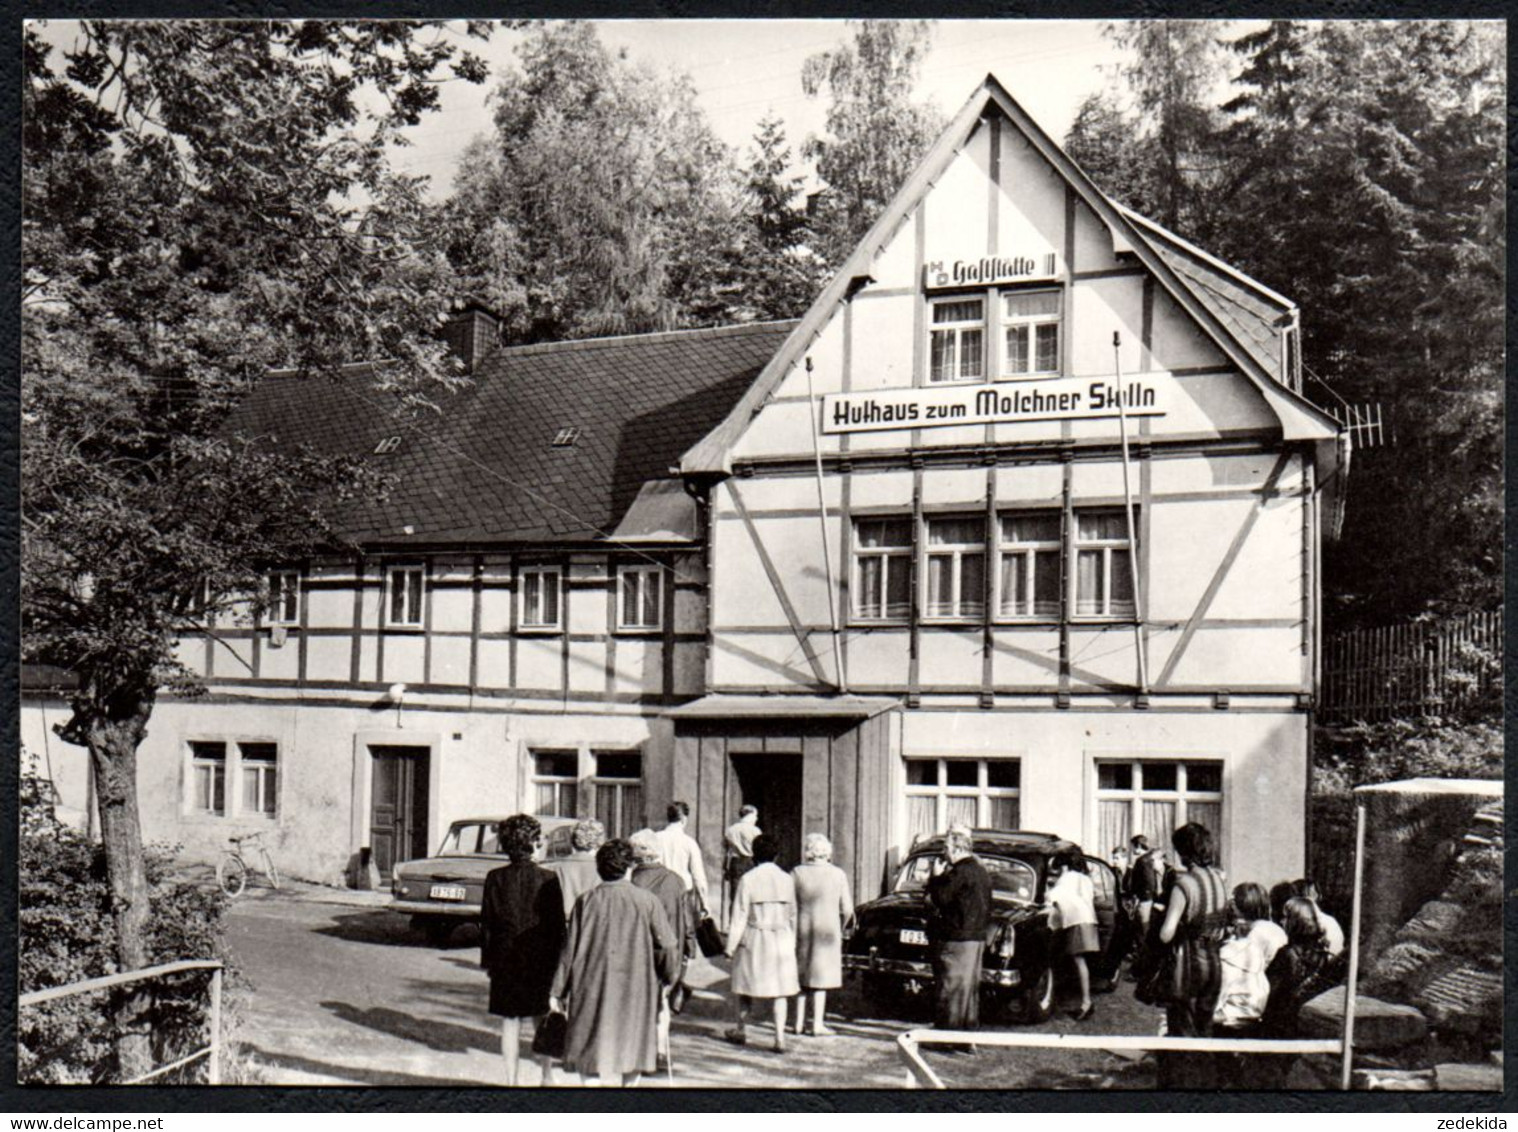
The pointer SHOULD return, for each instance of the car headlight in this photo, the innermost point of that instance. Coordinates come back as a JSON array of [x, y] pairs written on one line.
[[1004, 944]]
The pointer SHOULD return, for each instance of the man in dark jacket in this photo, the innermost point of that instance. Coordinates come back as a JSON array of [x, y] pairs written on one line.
[[959, 894]]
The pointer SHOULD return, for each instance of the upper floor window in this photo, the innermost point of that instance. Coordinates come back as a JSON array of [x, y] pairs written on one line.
[[1103, 569], [283, 607], [882, 569], [1030, 321], [957, 340], [404, 596], [639, 597], [540, 597], [956, 573], [1028, 585]]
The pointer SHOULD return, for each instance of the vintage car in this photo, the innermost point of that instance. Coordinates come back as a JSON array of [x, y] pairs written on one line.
[[444, 890], [888, 946]]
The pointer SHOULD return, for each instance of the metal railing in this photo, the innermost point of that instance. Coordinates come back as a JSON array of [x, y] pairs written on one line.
[[211, 1052], [920, 1073]]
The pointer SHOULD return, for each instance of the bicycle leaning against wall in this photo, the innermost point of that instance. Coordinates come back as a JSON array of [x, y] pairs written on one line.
[[233, 868]]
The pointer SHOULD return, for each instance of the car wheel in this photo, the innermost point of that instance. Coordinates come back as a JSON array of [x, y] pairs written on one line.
[[437, 929], [1038, 1003]]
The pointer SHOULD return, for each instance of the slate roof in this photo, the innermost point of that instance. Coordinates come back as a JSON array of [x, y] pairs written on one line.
[[484, 468], [1254, 313]]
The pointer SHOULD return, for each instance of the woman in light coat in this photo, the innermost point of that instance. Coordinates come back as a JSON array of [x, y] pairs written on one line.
[[823, 906], [761, 940]]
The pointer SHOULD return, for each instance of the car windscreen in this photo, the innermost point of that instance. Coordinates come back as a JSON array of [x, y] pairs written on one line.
[[1016, 879], [469, 838]]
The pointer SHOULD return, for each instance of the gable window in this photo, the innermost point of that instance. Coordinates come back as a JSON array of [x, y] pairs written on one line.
[[1155, 797], [882, 569], [1028, 582], [257, 765], [619, 791], [980, 793], [540, 597], [639, 597], [956, 342], [403, 606], [556, 783], [1103, 571], [1030, 321], [208, 777], [283, 606], [956, 568]]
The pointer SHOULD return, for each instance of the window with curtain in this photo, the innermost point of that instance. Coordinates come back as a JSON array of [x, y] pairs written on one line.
[[1155, 797], [1030, 322], [980, 793], [1103, 572], [1028, 581], [404, 605], [556, 783], [956, 340], [956, 568], [639, 597], [208, 777], [619, 791], [540, 597], [258, 764], [882, 569]]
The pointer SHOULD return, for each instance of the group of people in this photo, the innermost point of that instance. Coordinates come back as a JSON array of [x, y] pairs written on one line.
[[604, 937], [1221, 963]]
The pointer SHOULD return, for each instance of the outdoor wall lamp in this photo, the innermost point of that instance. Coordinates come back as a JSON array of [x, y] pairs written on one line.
[[396, 694]]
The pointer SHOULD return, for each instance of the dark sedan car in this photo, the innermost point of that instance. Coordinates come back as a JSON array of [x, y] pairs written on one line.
[[888, 946], [444, 890]]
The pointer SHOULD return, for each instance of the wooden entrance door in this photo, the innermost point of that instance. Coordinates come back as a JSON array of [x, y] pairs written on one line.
[[398, 806]]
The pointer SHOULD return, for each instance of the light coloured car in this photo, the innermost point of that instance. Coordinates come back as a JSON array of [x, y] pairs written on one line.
[[445, 890]]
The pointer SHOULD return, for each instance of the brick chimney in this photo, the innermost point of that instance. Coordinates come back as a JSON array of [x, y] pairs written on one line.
[[472, 333]]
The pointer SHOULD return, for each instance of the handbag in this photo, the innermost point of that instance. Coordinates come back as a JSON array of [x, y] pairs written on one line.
[[709, 938], [552, 1035]]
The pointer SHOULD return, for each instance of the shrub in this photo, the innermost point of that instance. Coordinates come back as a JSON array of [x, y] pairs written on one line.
[[66, 934]]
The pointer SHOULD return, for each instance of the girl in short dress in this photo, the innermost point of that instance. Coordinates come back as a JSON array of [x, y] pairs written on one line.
[[1074, 899]]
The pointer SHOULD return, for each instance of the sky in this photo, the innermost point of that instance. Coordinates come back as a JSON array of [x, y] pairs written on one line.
[[744, 69]]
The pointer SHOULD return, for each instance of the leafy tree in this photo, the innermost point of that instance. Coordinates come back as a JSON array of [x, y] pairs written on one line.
[[779, 272], [190, 197], [876, 132], [1173, 67], [1104, 141], [603, 203], [1369, 174]]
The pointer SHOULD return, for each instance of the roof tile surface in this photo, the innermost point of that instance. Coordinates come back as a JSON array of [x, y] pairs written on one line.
[[484, 468]]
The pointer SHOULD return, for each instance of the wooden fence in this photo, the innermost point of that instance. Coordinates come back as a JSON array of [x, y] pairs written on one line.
[[1420, 668]]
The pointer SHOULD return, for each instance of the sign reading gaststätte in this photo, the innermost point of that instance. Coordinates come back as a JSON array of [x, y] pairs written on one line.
[[1054, 398]]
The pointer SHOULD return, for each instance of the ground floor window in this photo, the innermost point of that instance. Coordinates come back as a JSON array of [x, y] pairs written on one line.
[[982, 793], [556, 783], [618, 789], [1154, 797], [258, 764], [208, 777]]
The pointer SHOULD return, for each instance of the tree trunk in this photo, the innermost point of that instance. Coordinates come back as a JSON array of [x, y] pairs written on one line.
[[113, 753]]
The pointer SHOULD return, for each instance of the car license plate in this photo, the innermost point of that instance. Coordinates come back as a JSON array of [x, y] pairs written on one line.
[[448, 892], [913, 935]]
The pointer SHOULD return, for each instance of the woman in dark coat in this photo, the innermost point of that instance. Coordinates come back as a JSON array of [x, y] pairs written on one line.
[[521, 932]]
